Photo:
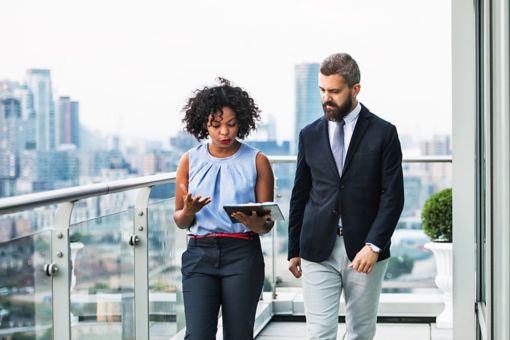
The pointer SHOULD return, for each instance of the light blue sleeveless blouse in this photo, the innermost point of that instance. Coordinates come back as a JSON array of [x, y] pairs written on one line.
[[227, 180]]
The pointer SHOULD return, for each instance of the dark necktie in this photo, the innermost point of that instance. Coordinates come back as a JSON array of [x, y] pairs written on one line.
[[338, 146]]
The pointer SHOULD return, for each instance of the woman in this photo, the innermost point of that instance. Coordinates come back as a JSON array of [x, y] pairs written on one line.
[[223, 264]]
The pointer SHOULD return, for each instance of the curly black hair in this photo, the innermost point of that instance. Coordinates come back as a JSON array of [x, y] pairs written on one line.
[[210, 100]]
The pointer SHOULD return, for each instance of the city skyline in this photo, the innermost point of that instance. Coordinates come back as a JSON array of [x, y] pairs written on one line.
[[43, 146], [65, 128], [132, 66]]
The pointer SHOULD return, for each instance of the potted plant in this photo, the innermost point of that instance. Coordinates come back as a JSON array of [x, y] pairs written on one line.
[[436, 218]]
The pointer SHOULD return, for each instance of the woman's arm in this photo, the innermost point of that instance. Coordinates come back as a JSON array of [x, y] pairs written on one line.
[[186, 206], [264, 189], [264, 192]]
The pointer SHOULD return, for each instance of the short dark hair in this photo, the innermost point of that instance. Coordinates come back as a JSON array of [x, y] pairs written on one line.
[[210, 100], [342, 64]]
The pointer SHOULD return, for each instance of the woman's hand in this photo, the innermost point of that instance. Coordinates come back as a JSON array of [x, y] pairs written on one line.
[[258, 224], [192, 205]]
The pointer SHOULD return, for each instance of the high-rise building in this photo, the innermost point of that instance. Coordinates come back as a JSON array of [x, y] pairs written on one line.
[[39, 83], [25, 111], [28, 172], [11, 134], [38, 149], [26, 98], [182, 142], [68, 122], [17, 135], [11, 108], [439, 173], [308, 100], [57, 169], [266, 130], [438, 145]]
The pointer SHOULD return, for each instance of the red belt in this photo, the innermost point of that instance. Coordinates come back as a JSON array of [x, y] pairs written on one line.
[[244, 236]]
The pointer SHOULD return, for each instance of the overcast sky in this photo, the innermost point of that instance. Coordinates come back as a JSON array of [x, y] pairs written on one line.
[[132, 64]]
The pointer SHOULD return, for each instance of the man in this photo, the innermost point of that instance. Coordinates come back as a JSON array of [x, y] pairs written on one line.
[[347, 198]]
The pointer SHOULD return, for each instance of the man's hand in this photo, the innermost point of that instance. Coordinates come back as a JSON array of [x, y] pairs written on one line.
[[295, 267], [364, 260]]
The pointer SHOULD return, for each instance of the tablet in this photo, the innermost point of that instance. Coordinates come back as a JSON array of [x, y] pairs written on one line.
[[260, 208]]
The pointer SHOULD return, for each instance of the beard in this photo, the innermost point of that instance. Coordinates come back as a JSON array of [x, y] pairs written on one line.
[[337, 113]]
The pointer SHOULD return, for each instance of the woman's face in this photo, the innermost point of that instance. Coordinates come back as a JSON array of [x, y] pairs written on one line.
[[223, 128]]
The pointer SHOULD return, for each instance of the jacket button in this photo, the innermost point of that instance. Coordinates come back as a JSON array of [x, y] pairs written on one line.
[[333, 212], [342, 186]]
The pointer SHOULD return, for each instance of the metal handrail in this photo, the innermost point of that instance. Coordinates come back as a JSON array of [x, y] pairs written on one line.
[[24, 202], [408, 159], [428, 159]]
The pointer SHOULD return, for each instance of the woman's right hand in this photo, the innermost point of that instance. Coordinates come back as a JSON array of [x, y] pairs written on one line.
[[192, 205]]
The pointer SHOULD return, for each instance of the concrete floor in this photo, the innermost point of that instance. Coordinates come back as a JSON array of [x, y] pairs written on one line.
[[385, 331]]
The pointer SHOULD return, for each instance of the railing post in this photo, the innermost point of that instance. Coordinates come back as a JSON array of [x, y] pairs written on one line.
[[60, 271], [273, 241], [273, 246], [141, 251]]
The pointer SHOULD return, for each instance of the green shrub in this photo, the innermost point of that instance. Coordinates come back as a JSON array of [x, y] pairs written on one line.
[[436, 216]]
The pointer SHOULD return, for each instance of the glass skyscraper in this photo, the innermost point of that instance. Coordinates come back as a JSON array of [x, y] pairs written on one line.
[[39, 83], [68, 122], [10, 144], [308, 100]]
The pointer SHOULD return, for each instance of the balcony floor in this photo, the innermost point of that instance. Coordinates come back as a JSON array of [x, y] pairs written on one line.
[[274, 330], [278, 330]]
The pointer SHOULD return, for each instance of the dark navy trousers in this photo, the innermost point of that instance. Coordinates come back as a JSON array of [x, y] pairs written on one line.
[[226, 272]]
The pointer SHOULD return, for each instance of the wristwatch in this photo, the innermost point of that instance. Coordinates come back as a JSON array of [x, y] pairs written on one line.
[[374, 248]]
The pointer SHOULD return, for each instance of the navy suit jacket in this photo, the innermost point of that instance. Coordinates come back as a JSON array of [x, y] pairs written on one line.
[[369, 196]]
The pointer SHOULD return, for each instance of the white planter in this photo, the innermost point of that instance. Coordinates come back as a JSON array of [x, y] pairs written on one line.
[[443, 255]]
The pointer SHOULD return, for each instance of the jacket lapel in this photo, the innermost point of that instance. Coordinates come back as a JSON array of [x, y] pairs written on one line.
[[359, 131], [324, 137]]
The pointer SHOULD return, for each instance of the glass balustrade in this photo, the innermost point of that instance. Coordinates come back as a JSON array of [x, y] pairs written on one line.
[[166, 244], [102, 275], [412, 267], [25, 289], [102, 278]]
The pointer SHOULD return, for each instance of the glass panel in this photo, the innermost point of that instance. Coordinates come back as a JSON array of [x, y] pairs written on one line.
[[266, 242], [97, 206], [25, 290], [27, 222], [284, 178], [166, 244], [102, 282], [412, 266]]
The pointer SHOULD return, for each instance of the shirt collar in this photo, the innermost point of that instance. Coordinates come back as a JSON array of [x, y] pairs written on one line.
[[353, 115]]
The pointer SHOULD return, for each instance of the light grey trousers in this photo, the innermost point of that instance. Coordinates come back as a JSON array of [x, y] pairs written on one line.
[[323, 283]]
